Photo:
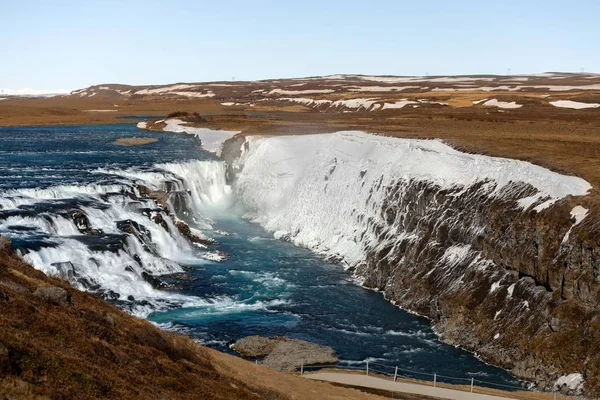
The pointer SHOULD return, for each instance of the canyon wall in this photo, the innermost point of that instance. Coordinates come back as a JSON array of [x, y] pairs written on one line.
[[501, 254]]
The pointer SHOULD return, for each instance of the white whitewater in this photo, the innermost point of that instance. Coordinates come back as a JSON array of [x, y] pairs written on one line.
[[118, 272]]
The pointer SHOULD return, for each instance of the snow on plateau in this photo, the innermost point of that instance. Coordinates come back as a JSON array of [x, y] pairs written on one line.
[[573, 104], [502, 104]]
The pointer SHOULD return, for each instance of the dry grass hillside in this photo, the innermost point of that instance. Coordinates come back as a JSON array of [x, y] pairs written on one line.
[[59, 343]]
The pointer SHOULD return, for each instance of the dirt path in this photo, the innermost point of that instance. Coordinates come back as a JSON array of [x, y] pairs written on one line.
[[378, 383]]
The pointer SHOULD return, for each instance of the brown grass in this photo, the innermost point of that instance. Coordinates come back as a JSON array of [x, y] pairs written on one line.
[[93, 350]]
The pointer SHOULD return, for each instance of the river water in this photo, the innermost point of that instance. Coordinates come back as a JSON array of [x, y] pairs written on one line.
[[51, 176]]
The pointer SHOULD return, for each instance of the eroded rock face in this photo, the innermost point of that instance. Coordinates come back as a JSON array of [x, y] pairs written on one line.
[[284, 354], [493, 278]]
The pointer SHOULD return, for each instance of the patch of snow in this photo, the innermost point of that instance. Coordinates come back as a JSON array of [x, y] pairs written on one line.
[[497, 314], [142, 125], [573, 381], [101, 110], [511, 290], [454, 255], [306, 101], [357, 104], [494, 287], [309, 91], [380, 88], [573, 104], [496, 336], [194, 94], [398, 104], [212, 140], [501, 104], [228, 104], [166, 89], [552, 88], [404, 79], [479, 101], [578, 213]]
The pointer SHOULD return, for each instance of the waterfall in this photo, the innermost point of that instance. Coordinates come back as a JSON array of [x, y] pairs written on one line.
[[112, 239]]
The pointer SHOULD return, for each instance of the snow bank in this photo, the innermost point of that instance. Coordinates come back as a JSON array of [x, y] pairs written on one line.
[[319, 190], [166, 89], [350, 104], [573, 104], [212, 140], [142, 125], [310, 91], [380, 88], [574, 382], [502, 104], [194, 94], [398, 104]]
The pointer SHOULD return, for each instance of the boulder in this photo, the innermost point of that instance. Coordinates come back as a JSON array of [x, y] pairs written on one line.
[[284, 354], [54, 295]]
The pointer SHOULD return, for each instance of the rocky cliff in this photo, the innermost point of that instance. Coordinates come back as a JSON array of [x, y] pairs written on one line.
[[502, 255]]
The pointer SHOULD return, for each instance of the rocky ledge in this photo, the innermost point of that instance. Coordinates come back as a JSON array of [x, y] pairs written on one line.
[[284, 354]]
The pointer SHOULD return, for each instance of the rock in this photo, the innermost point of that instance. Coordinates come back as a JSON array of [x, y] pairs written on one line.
[[256, 346], [154, 281], [193, 235], [54, 295], [284, 354], [66, 270]]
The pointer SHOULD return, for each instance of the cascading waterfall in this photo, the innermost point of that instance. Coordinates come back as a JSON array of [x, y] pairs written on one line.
[[113, 239]]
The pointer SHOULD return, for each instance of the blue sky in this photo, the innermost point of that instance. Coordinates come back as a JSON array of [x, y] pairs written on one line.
[[71, 44]]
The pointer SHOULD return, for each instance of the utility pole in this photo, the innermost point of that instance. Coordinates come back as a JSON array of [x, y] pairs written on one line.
[[508, 71]]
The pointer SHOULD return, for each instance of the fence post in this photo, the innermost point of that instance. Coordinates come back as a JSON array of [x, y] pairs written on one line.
[[396, 374], [472, 381], [302, 368], [367, 367], [434, 378], [554, 395]]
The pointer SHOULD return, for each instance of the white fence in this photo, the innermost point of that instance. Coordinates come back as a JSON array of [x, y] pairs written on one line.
[[462, 383]]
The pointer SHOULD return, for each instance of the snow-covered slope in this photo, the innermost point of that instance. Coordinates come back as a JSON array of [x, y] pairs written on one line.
[[320, 190]]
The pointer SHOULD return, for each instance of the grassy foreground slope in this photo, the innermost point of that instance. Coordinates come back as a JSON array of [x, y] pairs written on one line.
[[60, 343]]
